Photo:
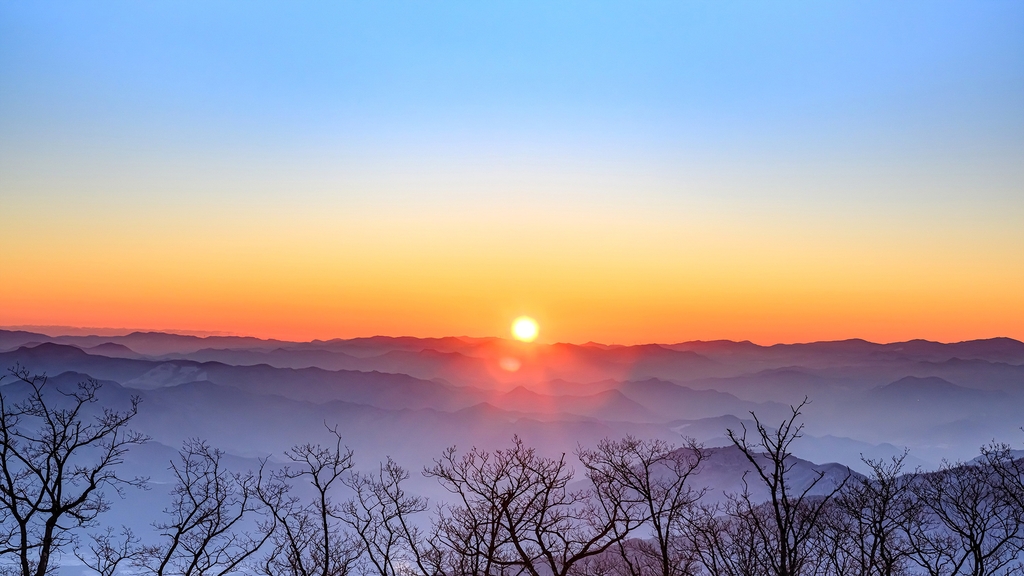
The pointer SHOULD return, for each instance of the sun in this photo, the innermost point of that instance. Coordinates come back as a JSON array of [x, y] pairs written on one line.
[[525, 329]]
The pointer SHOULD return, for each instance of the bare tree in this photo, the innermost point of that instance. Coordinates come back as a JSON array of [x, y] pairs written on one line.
[[785, 525], [382, 516], [1008, 469], [215, 521], [58, 455], [727, 541], [107, 552], [518, 514], [470, 532], [649, 480], [310, 539], [862, 530], [969, 523]]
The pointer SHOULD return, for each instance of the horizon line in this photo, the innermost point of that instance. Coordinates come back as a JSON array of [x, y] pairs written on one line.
[[57, 331]]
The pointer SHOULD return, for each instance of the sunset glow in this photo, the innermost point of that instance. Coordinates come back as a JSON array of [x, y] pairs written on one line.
[[525, 329]]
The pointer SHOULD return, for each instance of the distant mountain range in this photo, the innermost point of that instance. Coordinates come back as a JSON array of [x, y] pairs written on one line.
[[411, 397]]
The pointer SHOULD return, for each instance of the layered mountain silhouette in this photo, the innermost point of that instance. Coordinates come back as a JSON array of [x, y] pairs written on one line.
[[412, 397]]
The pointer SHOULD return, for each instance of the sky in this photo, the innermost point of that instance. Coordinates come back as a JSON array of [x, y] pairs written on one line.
[[623, 172]]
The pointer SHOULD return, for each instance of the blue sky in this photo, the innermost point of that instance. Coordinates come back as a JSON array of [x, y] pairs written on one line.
[[748, 75]]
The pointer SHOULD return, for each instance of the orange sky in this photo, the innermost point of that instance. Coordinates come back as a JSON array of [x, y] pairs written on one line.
[[618, 276]]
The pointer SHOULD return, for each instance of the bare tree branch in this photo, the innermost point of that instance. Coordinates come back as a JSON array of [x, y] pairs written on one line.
[[58, 454]]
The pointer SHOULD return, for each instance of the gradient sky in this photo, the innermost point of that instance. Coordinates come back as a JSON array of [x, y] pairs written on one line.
[[624, 172]]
